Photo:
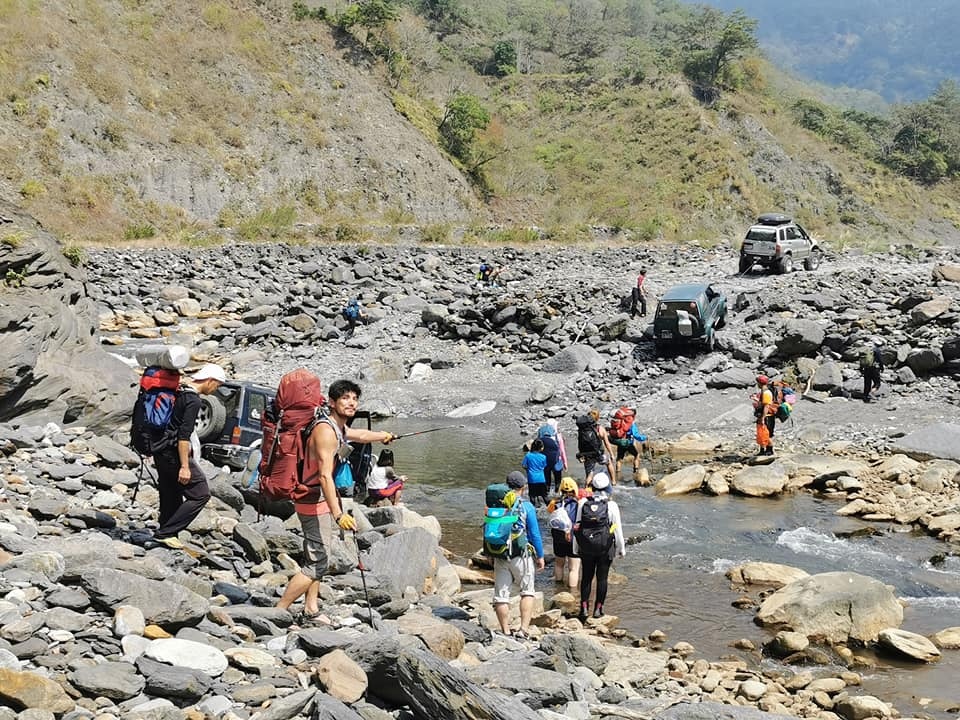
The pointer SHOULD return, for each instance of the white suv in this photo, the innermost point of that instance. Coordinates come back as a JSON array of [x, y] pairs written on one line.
[[776, 241]]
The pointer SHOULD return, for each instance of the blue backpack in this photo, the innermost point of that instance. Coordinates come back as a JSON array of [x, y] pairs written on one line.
[[352, 310], [505, 528]]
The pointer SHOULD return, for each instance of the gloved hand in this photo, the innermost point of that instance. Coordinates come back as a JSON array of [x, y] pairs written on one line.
[[346, 522]]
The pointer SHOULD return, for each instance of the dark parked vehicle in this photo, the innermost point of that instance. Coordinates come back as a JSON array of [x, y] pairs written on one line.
[[777, 242], [229, 422], [688, 314]]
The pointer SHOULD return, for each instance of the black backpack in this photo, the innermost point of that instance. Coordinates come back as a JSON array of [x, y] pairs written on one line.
[[588, 440], [594, 536]]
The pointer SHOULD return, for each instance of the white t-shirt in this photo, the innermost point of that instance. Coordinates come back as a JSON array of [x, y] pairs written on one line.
[[380, 477]]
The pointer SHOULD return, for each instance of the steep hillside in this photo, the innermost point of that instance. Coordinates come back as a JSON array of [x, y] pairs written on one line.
[[140, 119], [131, 118]]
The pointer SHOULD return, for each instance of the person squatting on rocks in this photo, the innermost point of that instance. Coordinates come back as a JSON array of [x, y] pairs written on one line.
[[535, 463], [765, 412], [593, 445], [555, 451], [521, 570], [563, 514], [320, 509], [488, 274], [354, 313], [180, 481], [638, 295], [597, 539], [384, 483], [871, 366]]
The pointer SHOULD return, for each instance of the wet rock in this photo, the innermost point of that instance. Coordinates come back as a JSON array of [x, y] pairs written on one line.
[[948, 638], [834, 607], [861, 707], [759, 481], [683, 481], [763, 573], [908, 644], [787, 643]]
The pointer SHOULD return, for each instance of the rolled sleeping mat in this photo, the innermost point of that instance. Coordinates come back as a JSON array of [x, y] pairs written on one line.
[[171, 357]]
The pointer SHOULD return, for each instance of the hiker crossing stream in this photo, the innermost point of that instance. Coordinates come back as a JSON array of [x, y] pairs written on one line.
[[674, 569]]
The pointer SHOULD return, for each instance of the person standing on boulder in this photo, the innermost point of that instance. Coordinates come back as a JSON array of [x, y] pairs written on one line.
[[521, 570], [320, 510], [597, 539], [766, 414], [180, 481]]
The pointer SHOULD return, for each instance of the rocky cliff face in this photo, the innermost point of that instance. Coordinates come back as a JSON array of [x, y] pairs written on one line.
[[51, 365], [186, 113]]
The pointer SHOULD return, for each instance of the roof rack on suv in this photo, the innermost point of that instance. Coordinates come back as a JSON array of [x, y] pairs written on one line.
[[774, 219]]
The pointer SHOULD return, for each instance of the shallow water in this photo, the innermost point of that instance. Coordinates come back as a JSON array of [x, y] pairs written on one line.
[[675, 580]]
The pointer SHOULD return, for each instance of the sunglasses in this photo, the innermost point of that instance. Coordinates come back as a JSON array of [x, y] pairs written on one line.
[[344, 451]]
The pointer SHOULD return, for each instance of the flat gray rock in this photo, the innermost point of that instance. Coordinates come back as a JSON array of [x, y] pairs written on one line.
[[941, 440]]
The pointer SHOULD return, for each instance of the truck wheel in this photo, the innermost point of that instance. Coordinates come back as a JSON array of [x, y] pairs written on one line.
[[745, 264], [812, 261], [785, 265], [211, 418]]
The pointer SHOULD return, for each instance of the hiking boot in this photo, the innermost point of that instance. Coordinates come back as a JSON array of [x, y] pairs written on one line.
[[520, 634], [582, 617]]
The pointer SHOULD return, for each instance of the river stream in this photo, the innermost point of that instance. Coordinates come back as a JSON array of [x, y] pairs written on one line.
[[675, 577]]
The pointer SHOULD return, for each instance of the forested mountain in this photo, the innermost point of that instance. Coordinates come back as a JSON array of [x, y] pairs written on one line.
[[219, 119], [900, 49]]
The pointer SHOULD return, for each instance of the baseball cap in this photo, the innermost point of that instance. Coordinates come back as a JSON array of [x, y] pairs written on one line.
[[601, 481], [210, 371], [568, 484], [516, 479]]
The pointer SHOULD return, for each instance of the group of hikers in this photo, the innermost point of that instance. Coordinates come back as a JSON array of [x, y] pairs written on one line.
[[585, 524]]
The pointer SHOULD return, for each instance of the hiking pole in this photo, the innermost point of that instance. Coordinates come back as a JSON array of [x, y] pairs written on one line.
[[422, 432], [363, 576]]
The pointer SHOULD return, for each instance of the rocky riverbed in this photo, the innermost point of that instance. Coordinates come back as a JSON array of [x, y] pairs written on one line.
[[94, 623]]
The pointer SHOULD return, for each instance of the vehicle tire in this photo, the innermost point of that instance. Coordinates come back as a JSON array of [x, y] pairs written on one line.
[[812, 261], [721, 321], [745, 264], [785, 266], [211, 418]]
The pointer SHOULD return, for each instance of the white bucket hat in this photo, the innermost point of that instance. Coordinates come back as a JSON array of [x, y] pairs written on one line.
[[210, 371]]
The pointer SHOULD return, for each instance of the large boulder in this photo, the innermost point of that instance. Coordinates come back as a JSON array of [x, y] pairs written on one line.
[[52, 368], [736, 377], [685, 480], [833, 607], [760, 480], [408, 558], [941, 440], [800, 337], [574, 359], [162, 603]]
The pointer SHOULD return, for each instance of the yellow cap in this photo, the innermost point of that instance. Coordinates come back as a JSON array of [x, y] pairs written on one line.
[[568, 484]]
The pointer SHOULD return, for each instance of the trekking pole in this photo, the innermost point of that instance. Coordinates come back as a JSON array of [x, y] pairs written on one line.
[[422, 432], [363, 576]]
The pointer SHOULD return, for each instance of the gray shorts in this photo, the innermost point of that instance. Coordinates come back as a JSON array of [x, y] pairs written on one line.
[[507, 571], [317, 540]]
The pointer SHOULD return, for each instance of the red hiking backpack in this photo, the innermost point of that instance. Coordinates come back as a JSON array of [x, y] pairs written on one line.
[[621, 423], [287, 425]]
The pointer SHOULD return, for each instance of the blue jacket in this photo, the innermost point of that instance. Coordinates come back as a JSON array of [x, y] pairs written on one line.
[[533, 528]]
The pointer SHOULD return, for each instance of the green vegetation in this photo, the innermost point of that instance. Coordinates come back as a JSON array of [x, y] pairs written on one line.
[[75, 255], [14, 278], [13, 239], [269, 223], [143, 231]]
